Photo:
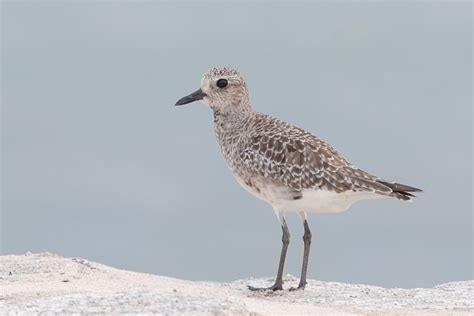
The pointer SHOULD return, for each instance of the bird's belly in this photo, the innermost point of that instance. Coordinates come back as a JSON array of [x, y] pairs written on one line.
[[257, 188], [310, 200], [322, 201]]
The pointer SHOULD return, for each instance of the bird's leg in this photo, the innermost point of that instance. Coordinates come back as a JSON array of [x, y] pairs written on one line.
[[285, 238], [278, 285], [307, 244]]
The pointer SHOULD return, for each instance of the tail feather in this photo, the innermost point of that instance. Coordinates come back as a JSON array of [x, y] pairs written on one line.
[[401, 191]]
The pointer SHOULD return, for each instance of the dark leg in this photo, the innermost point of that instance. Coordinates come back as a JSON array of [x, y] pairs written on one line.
[[307, 244], [279, 278]]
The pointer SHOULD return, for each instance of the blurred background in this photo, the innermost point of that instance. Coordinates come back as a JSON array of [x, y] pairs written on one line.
[[98, 163]]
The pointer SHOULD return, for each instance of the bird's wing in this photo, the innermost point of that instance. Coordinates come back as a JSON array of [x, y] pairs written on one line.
[[300, 160]]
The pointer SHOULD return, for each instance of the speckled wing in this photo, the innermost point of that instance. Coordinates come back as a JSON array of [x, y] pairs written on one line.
[[302, 161]]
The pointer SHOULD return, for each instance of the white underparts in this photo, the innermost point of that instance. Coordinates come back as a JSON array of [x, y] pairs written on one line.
[[321, 201], [309, 200]]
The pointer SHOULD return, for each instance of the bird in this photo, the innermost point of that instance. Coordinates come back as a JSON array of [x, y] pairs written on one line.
[[289, 168]]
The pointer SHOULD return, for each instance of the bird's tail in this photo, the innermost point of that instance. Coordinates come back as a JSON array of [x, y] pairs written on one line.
[[401, 191]]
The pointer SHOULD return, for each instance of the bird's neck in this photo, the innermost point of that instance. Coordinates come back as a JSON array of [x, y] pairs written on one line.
[[229, 126], [228, 117]]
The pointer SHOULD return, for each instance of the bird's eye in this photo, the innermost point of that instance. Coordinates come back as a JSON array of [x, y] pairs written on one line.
[[222, 83]]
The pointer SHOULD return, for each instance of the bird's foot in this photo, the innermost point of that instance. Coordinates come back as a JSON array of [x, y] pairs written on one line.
[[274, 287], [299, 288]]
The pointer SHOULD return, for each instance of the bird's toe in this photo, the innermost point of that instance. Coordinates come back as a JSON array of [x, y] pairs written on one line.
[[274, 287]]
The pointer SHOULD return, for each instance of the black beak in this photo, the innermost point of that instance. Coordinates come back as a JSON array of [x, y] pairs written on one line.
[[195, 96]]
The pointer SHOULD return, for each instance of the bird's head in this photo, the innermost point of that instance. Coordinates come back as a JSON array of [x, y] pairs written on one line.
[[222, 89]]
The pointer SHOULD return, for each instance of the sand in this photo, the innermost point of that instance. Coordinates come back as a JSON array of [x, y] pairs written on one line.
[[48, 283]]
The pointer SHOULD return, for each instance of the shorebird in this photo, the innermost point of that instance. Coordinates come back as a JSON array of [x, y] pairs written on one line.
[[286, 166]]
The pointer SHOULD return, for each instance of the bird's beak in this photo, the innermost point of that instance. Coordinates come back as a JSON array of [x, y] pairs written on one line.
[[195, 96]]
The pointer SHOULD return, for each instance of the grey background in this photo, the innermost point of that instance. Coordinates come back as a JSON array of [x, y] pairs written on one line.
[[98, 163]]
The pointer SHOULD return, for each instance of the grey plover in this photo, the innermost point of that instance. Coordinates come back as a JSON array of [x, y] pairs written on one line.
[[291, 169]]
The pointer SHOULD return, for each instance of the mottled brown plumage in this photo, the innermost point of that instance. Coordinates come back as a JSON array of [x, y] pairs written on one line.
[[293, 158], [300, 160]]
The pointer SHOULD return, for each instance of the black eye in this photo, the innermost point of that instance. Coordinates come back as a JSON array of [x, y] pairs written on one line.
[[222, 83]]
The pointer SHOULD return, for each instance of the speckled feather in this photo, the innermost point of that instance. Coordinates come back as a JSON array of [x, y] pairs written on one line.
[[266, 154]]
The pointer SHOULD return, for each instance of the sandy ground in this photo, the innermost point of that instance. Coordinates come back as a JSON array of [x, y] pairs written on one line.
[[34, 283]]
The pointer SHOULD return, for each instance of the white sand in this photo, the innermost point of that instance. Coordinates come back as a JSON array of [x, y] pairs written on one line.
[[50, 283]]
